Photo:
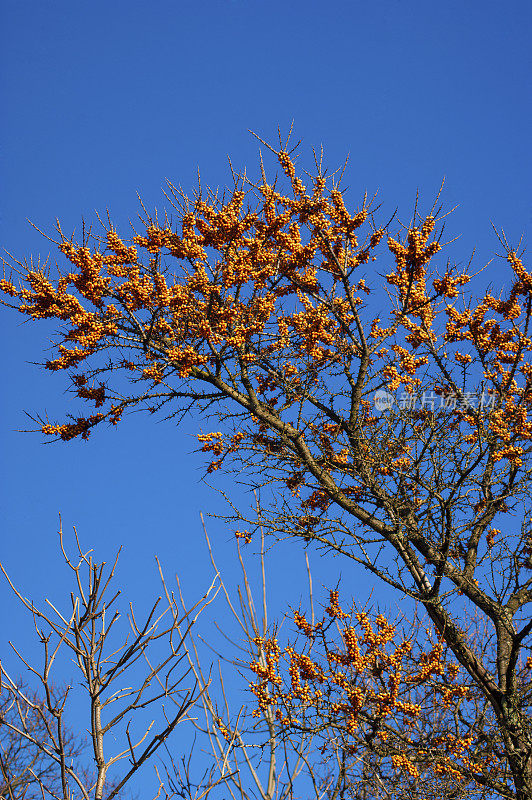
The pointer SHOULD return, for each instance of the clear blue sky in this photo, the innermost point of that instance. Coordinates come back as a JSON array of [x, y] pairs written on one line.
[[102, 100]]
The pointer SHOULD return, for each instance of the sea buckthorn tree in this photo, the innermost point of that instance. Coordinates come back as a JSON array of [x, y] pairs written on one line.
[[258, 308], [389, 712], [344, 704]]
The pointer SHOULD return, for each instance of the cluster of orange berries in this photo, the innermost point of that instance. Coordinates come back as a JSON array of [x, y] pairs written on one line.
[[450, 694], [408, 363], [305, 626], [156, 238], [333, 609], [224, 730], [93, 393], [186, 359], [266, 670], [394, 379], [247, 536], [512, 454], [82, 427], [403, 764], [212, 442], [524, 284], [299, 691], [153, 373], [318, 499], [287, 164], [448, 285], [376, 332], [314, 326]]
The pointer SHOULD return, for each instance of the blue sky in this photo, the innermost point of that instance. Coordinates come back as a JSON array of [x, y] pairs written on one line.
[[104, 100]]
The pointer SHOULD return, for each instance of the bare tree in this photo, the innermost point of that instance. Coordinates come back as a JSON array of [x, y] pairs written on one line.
[[150, 656], [23, 763], [250, 751]]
